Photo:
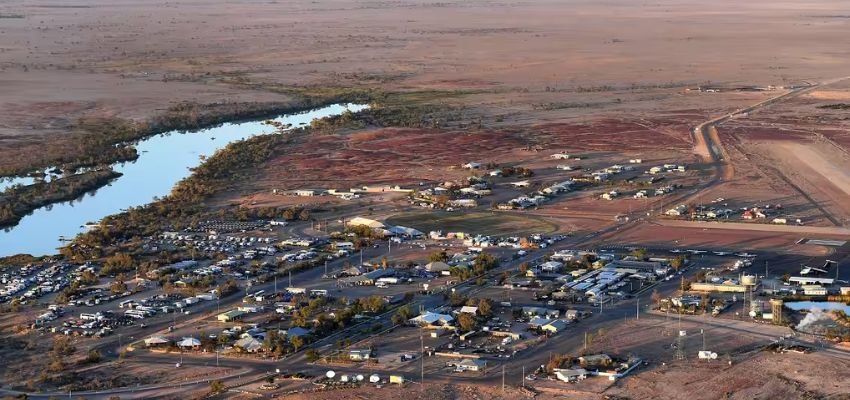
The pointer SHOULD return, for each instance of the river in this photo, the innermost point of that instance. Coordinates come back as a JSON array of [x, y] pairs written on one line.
[[163, 161]]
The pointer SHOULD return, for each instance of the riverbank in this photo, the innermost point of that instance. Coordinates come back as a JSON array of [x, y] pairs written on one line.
[[17, 202], [185, 168], [112, 141], [107, 140]]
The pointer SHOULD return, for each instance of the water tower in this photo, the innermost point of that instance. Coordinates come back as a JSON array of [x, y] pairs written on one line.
[[748, 282], [776, 306]]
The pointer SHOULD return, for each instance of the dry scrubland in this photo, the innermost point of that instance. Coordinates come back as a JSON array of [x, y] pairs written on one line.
[[133, 59], [751, 374]]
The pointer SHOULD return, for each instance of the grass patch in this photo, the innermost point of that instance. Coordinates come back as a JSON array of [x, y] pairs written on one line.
[[478, 222]]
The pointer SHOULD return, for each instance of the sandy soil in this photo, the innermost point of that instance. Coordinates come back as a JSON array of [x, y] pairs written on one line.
[[830, 165], [795, 229], [752, 374], [719, 236], [131, 58], [761, 376], [829, 95], [429, 392]]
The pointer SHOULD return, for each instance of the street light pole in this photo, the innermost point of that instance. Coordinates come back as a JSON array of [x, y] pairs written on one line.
[[638, 309]]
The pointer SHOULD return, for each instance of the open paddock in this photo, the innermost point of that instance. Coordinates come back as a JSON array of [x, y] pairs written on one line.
[[484, 223]]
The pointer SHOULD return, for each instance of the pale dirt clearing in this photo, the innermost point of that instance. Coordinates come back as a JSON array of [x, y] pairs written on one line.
[[738, 226], [829, 95], [832, 165]]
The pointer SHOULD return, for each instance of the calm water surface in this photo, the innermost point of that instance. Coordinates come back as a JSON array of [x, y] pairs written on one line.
[[163, 161]]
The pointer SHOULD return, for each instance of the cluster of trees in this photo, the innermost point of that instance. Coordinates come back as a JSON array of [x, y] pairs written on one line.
[[402, 315], [364, 233], [309, 315], [290, 213], [323, 323], [303, 316], [62, 348], [517, 171], [482, 263], [467, 321], [279, 344], [439, 255], [118, 263], [118, 286], [227, 288], [372, 304], [557, 361], [677, 263], [408, 116], [640, 254], [331, 125], [228, 165], [836, 106], [87, 278]]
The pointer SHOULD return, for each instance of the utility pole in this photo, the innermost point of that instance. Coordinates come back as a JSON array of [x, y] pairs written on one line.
[[290, 278], [421, 358], [503, 378], [836, 269], [275, 283], [638, 309], [585, 341], [326, 267], [523, 376]]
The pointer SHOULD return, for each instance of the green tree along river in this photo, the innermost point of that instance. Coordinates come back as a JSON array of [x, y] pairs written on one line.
[[163, 161]]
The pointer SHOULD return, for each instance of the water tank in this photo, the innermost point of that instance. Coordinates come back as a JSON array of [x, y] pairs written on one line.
[[748, 280], [757, 306]]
